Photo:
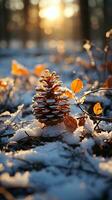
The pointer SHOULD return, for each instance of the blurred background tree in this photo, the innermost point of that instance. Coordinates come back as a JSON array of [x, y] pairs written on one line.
[[33, 23]]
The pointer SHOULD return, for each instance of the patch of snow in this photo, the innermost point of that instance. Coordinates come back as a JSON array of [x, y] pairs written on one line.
[[102, 137], [19, 180], [45, 178], [15, 117], [21, 134], [32, 130], [106, 166], [87, 143], [106, 126], [89, 125], [78, 188], [73, 138], [49, 154], [26, 132], [53, 131]]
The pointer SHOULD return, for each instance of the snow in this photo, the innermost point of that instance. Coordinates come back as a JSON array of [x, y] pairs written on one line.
[[53, 131], [78, 188], [19, 180], [25, 133], [73, 138], [62, 168], [32, 130], [46, 178], [51, 179], [56, 168], [105, 126], [62, 165], [89, 125], [15, 117], [36, 129], [49, 154], [87, 143], [102, 137], [106, 167]]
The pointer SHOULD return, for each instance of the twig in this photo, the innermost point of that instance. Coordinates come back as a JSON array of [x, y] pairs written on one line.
[[25, 161], [8, 96], [86, 112], [6, 194], [108, 119], [96, 90], [96, 126], [17, 113]]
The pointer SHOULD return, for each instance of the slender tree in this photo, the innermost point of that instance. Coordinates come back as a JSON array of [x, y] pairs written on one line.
[[85, 19]]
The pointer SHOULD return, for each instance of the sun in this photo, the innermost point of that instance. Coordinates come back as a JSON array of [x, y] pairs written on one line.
[[51, 13]]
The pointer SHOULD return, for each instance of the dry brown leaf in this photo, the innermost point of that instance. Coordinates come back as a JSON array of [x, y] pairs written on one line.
[[70, 123], [107, 66], [82, 121], [108, 82]]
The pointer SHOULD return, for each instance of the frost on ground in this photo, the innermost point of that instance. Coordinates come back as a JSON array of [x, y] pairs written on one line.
[[40, 162], [51, 162]]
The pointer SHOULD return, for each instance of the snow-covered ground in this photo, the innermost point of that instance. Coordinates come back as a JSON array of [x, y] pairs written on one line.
[[53, 163]]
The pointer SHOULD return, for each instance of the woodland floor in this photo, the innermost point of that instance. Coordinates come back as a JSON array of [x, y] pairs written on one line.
[[51, 163]]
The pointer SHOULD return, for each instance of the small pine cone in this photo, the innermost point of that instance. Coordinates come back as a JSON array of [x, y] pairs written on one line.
[[50, 105]]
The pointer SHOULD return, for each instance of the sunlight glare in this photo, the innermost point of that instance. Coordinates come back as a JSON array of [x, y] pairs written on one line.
[[50, 13]]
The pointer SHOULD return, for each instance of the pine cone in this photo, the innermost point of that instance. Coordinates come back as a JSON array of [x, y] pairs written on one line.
[[50, 105]]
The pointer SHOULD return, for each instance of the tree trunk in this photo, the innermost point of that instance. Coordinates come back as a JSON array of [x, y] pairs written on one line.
[[85, 19]]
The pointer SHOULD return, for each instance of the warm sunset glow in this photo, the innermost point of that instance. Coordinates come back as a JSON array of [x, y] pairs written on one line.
[[50, 13]]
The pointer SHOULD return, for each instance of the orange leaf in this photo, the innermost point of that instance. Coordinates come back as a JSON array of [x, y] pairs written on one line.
[[39, 69], [69, 94], [18, 69], [3, 84], [76, 85], [70, 123], [97, 109]]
